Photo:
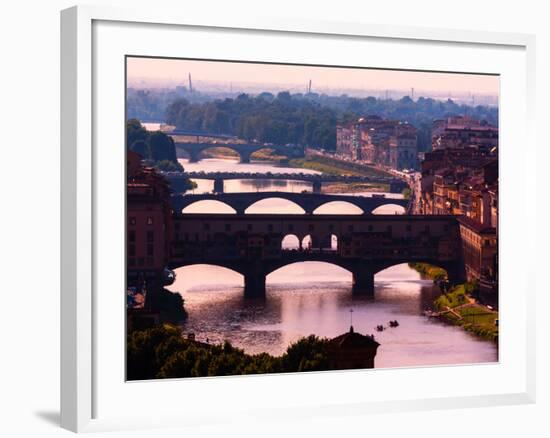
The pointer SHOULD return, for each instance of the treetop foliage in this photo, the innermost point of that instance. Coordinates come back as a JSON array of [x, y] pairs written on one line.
[[156, 148], [162, 352]]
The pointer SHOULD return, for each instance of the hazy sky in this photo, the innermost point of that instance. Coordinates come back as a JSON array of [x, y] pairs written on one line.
[[170, 72]]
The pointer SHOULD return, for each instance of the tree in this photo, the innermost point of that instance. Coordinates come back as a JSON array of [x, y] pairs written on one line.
[[307, 354], [134, 132], [176, 111], [162, 147], [142, 148]]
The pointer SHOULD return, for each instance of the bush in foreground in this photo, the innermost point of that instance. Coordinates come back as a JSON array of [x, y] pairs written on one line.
[[162, 352]]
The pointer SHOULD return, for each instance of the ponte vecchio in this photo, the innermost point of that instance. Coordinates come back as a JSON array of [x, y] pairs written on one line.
[[251, 244]]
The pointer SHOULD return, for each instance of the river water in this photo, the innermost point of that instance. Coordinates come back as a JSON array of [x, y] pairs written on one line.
[[316, 298]]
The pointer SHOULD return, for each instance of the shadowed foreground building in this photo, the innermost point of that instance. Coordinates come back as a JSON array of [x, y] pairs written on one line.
[[149, 219], [352, 350]]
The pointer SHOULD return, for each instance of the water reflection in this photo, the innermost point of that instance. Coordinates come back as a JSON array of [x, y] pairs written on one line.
[[314, 297]]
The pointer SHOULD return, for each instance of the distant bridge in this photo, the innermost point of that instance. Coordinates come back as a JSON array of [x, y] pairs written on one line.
[[252, 244], [245, 150], [396, 185], [309, 202], [199, 134]]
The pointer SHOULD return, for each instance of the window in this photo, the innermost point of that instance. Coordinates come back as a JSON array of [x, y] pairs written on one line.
[[150, 249], [150, 236], [132, 220], [149, 220], [131, 250], [132, 236]]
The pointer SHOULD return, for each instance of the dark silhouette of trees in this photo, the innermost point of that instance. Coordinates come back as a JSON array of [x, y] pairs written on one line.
[[156, 148], [162, 352]]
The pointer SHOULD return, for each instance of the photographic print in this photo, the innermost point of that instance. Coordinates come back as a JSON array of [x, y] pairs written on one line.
[[289, 218]]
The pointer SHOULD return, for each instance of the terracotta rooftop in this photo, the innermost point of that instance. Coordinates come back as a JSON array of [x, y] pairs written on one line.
[[353, 339], [476, 226]]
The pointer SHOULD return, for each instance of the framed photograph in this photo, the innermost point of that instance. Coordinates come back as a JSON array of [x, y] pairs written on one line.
[[260, 208]]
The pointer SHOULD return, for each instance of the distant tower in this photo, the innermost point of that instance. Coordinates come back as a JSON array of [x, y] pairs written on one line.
[[309, 87], [412, 93], [190, 84]]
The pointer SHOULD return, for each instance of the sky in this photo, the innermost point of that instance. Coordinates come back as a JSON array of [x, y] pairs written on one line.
[[220, 75]]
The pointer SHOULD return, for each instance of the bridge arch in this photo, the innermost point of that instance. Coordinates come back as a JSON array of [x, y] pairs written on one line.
[[454, 271], [275, 269], [389, 208], [339, 207], [209, 206], [195, 151], [263, 148], [289, 207], [291, 242], [310, 242], [224, 275], [234, 152]]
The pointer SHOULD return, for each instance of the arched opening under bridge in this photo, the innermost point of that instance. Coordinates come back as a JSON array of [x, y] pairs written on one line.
[[290, 242], [219, 151], [338, 207], [205, 277], [208, 206], [389, 209], [274, 205], [310, 272]]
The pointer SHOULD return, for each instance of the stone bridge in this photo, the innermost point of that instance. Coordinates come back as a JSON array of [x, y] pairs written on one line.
[[252, 245], [309, 202], [316, 179], [245, 150]]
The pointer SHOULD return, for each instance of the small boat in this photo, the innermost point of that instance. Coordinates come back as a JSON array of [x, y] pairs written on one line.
[[394, 323], [380, 328]]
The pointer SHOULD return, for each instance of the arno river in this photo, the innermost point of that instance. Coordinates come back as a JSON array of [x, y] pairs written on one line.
[[315, 298]]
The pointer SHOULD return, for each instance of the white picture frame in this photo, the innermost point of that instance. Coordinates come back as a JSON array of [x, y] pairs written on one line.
[[83, 384]]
